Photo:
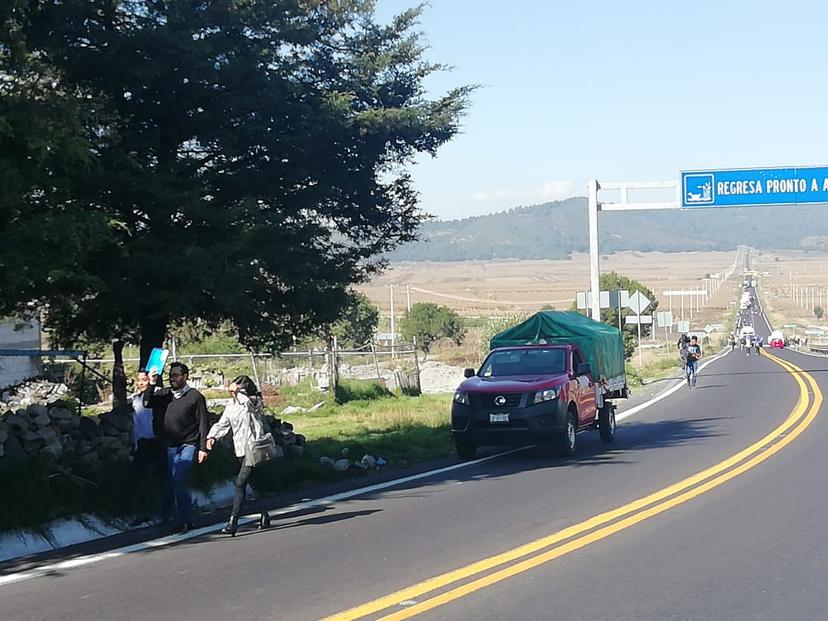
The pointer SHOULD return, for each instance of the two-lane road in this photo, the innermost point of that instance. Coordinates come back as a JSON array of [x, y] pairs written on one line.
[[658, 525]]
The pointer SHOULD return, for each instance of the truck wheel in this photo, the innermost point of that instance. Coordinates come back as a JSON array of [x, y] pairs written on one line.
[[606, 422], [466, 449], [566, 444]]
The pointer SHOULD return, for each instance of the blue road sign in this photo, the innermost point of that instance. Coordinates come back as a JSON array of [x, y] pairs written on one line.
[[754, 186]]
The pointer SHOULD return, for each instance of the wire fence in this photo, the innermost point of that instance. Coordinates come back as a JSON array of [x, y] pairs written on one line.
[[395, 366]]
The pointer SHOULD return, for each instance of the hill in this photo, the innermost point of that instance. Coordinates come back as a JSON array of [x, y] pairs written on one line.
[[555, 230]]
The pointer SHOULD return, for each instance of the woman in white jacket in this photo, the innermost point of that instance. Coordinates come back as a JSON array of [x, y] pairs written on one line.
[[244, 418]]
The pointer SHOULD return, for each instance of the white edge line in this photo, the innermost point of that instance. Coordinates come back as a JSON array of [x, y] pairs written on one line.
[[666, 393], [161, 542]]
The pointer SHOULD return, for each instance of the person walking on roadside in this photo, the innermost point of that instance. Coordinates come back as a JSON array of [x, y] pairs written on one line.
[[683, 356], [694, 354], [732, 342], [149, 453], [183, 411], [242, 417]]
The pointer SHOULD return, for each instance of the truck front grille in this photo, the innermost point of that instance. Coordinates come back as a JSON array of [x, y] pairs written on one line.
[[488, 400]]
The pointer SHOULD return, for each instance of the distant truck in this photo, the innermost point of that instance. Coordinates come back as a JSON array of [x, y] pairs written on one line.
[[544, 380]]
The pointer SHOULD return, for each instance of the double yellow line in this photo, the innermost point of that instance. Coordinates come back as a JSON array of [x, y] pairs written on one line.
[[523, 558]]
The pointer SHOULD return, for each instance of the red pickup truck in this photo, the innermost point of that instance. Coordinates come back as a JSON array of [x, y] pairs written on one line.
[[526, 394]]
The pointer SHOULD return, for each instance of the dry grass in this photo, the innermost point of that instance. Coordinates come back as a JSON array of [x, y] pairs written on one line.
[[510, 288]]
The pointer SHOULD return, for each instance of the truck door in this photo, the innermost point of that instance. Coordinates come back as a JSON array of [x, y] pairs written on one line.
[[584, 392]]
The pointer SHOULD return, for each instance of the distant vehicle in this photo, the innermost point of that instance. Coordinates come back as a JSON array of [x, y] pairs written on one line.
[[553, 377], [747, 331], [776, 339]]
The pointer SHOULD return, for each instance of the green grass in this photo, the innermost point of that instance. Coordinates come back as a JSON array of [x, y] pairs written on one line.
[[360, 390]]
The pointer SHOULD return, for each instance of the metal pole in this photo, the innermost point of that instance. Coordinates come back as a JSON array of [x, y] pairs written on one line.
[[640, 362], [408, 298], [594, 255]]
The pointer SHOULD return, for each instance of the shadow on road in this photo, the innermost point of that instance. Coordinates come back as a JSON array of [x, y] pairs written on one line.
[[633, 439]]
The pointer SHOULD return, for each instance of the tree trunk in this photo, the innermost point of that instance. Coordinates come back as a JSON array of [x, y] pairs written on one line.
[[119, 381], [153, 332]]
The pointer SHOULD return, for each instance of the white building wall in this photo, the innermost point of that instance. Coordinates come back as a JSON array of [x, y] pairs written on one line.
[[15, 369]]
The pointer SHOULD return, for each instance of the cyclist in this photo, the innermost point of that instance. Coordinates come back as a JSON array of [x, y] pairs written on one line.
[[694, 353]]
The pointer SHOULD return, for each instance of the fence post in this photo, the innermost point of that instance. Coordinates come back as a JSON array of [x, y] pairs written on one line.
[[376, 361], [417, 366], [82, 383], [255, 372], [334, 379]]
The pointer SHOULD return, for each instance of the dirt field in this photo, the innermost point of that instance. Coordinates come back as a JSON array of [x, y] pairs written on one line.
[[491, 288], [784, 274], [502, 288]]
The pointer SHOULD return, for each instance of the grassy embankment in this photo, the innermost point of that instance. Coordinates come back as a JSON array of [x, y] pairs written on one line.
[[365, 419]]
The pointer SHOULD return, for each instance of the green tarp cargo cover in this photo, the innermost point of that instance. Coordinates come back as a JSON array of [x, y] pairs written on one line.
[[601, 344]]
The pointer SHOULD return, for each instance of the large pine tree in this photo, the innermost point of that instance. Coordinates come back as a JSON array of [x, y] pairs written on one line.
[[219, 160]]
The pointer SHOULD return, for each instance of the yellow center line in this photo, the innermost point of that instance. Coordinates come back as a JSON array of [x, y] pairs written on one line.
[[490, 563]]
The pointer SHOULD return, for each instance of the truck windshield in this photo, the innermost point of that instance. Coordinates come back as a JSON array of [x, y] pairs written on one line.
[[548, 361]]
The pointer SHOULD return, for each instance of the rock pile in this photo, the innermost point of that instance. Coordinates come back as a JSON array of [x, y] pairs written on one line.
[[58, 432], [40, 392], [37, 419]]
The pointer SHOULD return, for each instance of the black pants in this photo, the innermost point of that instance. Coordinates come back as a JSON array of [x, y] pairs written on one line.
[[148, 462], [246, 473]]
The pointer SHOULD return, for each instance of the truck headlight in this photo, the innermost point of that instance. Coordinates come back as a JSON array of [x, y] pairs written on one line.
[[461, 396], [545, 395]]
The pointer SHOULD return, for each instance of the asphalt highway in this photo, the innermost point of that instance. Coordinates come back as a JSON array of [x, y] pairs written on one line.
[[710, 504]]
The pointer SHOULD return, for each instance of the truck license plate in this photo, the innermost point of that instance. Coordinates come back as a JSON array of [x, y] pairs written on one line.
[[500, 417]]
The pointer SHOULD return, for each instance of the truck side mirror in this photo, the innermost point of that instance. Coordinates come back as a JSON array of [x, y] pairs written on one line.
[[468, 373], [584, 368]]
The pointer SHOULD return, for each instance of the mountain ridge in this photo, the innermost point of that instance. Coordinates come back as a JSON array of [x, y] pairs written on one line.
[[557, 229]]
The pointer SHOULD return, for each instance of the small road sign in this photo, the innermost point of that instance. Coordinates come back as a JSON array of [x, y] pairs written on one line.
[[607, 299], [638, 302], [640, 319], [683, 326], [665, 319]]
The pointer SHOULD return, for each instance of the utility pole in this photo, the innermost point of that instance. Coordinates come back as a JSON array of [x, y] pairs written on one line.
[[393, 321], [408, 298]]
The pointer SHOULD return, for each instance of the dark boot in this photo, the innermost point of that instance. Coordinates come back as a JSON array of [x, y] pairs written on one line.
[[264, 520], [232, 526]]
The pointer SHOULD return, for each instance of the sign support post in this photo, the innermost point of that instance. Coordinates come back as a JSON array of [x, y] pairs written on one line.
[[594, 256]]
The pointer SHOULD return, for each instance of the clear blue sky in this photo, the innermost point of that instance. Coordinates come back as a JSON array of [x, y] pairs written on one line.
[[618, 91]]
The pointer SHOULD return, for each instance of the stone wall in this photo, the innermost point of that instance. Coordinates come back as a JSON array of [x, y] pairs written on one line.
[[37, 418], [14, 369]]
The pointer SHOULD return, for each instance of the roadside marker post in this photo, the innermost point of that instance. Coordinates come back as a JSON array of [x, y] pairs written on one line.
[[638, 303]]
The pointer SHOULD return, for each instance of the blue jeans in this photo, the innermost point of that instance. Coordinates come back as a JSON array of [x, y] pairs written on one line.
[[180, 459], [691, 371]]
